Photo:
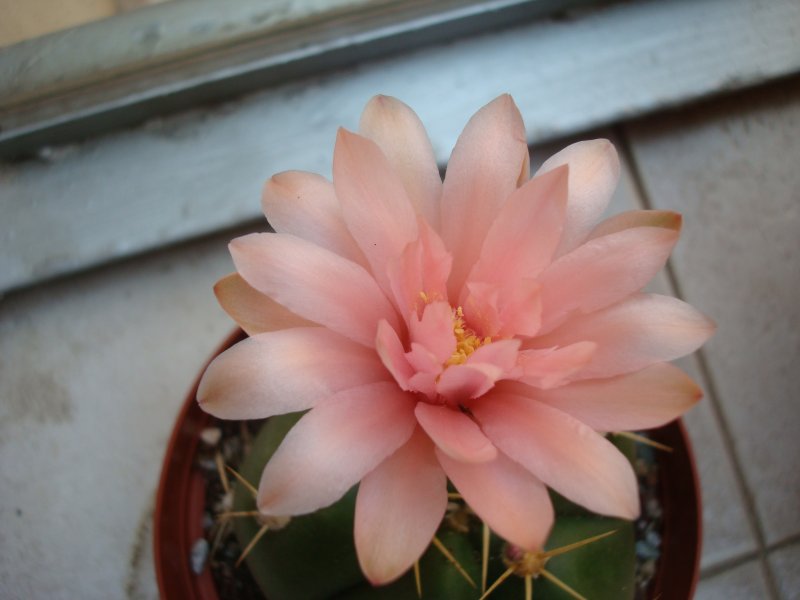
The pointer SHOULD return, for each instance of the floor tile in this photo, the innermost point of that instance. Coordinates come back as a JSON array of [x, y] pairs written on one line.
[[745, 582], [93, 371], [731, 168], [785, 565], [727, 532]]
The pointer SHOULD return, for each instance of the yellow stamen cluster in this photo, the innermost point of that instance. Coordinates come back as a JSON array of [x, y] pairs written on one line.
[[467, 341]]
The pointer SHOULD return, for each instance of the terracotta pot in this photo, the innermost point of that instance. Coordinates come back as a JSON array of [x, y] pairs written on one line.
[[679, 563], [180, 506], [180, 503]]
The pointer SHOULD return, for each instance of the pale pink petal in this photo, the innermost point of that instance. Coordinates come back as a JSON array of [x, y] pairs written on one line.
[[333, 446], [419, 274], [305, 205], [511, 309], [422, 359], [478, 374], [552, 367], [399, 133], [525, 170], [501, 353], [483, 172], [424, 383], [481, 306], [523, 238], [253, 311], [602, 271], [285, 371], [564, 453], [462, 382], [314, 283], [454, 433], [374, 203], [665, 219], [633, 334], [507, 497], [593, 177], [398, 509], [434, 331], [393, 355], [648, 398], [520, 308]]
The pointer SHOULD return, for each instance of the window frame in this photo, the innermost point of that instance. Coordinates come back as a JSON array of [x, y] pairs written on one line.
[[168, 57], [111, 193]]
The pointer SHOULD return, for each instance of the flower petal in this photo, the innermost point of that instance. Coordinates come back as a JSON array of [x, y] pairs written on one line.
[[481, 305], [602, 271], [593, 177], [561, 451], [333, 446], [553, 367], [374, 203], [434, 330], [666, 219], [507, 497], [305, 205], [423, 360], [284, 371], [419, 273], [479, 373], [502, 353], [523, 238], [513, 309], [454, 433], [483, 171], [633, 334], [392, 354], [648, 398], [462, 382], [424, 383], [314, 283], [398, 509], [399, 133], [253, 311]]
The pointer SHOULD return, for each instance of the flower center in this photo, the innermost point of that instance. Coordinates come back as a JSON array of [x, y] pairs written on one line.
[[467, 341]]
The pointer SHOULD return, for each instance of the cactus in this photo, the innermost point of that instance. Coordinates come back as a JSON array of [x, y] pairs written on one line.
[[313, 557]]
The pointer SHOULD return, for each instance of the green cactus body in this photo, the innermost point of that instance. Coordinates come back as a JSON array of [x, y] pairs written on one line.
[[314, 557]]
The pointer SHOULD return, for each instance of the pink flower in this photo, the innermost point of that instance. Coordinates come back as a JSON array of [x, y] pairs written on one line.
[[481, 329]]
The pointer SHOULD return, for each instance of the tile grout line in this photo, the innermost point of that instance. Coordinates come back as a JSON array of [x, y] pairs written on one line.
[[728, 564], [784, 543], [745, 557], [705, 371]]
